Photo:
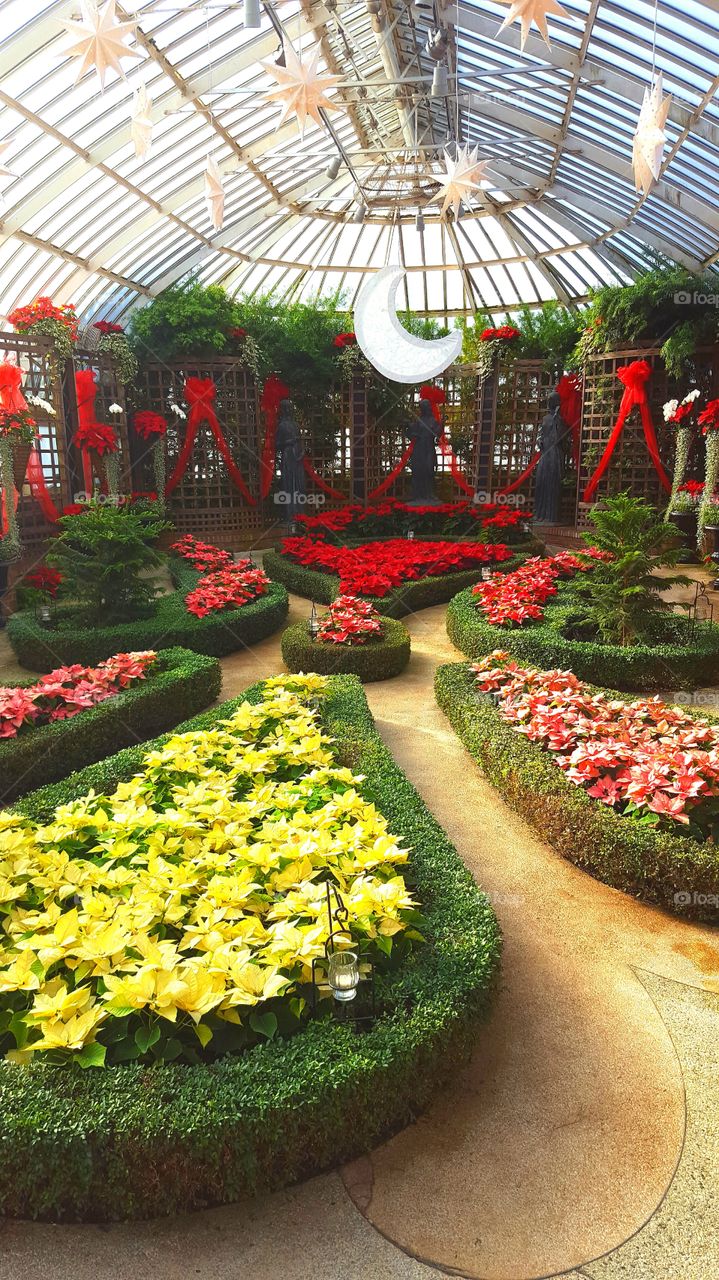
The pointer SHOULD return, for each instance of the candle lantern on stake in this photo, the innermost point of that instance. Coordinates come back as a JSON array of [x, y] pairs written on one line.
[[344, 967], [313, 626]]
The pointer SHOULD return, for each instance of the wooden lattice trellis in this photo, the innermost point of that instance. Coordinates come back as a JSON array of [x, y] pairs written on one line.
[[206, 502], [511, 402], [36, 358], [631, 468]]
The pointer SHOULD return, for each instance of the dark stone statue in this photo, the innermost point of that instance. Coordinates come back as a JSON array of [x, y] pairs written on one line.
[[288, 443], [548, 477], [425, 431]]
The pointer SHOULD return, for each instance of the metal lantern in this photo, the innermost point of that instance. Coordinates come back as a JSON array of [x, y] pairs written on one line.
[[410, 534], [343, 967], [486, 573], [313, 626], [45, 614]]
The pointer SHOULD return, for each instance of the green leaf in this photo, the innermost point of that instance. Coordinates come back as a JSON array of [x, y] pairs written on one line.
[[203, 1033], [264, 1024], [145, 1037], [93, 1055]]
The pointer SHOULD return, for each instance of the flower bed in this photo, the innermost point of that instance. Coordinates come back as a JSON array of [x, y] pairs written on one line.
[[377, 568], [67, 691], [98, 1144], [150, 931], [679, 656], [378, 658], [170, 625], [421, 593], [389, 517], [178, 684], [518, 597], [642, 857]]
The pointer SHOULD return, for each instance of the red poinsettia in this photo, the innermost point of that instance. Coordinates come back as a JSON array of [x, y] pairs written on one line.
[[43, 579], [709, 419], [23, 318], [202, 555], [97, 436], [518, 597], [694, 488], [107, 326], [641, 757], [349, 621], [67, 691], [505, 333], [238, 333], [227, 588], [376, 568], [148, 424], [344, 340]]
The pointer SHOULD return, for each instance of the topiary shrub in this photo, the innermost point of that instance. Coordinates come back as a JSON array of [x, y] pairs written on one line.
[[657, 866], [105, 557], [378, 659], [141, 1141], [676, 658], [169, 626], [180, 684]]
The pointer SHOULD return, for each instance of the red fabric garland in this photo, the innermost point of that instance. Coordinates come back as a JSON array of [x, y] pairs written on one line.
[[12, 398], [515, 484], [569, 389], [90, 433], [393, 475], [321, 482], [200, 395], [634, 377], [273, 392]]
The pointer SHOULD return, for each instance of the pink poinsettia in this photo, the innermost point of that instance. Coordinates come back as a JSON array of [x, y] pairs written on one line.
[[642, 757], [67, 691]]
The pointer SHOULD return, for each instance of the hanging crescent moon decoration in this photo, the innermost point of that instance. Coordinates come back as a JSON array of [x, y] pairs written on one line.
[[388, 346]]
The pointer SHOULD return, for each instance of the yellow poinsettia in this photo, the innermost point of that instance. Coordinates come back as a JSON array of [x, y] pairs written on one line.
[[198, 887]]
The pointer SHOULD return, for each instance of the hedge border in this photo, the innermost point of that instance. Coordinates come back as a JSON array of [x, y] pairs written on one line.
[[420, 593], [379, 659], [170, 626], [639, 668], [181, 684], [138, 1142], [648, 864]]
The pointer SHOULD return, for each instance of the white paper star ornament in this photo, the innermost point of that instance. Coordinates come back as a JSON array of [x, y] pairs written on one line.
[[214, 193], [301, 88], [99, 41], [462, 177], [141, 123], [527, 12], [650, 136]]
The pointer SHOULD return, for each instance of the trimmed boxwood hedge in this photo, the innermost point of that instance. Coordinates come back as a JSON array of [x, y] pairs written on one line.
[[169, 626], [180, 684], [376, 660], [411, 596], [671, 663], [134, 1141], [673, 871]]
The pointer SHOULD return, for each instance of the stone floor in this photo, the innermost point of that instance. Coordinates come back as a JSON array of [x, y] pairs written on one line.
[[580, 1140]]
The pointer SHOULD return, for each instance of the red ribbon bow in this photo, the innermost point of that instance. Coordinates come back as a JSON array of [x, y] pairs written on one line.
[[634, 378], [200, 395], [273, 392], [12, 399], [90, 434]]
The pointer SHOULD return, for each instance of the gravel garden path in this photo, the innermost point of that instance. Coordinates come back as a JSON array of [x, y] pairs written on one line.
[[579, 1141]]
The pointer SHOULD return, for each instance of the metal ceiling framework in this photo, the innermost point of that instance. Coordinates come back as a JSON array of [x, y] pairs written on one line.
[[85, 221]]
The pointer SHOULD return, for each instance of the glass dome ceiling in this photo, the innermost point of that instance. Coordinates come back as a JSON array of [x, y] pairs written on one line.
[[85, 221]]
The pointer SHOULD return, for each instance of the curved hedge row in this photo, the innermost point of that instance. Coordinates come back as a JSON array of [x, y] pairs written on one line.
[[411, 596], [180, 684], [136, 1141], [376, 660], [673, 871], [170, 626], [672, 663]]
